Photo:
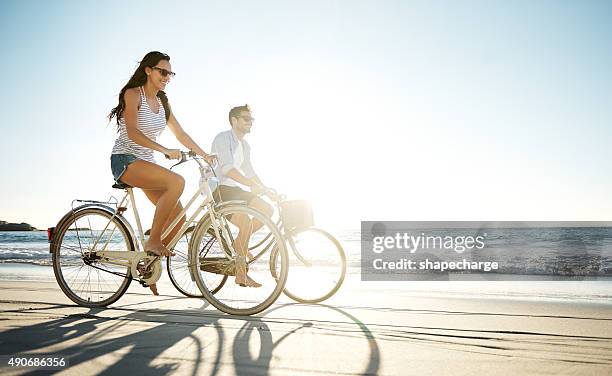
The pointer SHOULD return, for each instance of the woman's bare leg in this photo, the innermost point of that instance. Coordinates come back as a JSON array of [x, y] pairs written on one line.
[[149, 176], [154, 196]]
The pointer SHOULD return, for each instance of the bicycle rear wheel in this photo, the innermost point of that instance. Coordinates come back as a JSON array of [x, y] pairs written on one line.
[[207, 267], [82, 276], [317, 268], [179, 269]]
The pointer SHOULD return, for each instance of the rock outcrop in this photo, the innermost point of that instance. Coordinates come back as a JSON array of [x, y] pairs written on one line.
[[4, 226]]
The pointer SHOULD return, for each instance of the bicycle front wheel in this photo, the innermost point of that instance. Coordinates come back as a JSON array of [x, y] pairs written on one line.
[[219, 261], [82, 276], [317, 266], [179, 269]]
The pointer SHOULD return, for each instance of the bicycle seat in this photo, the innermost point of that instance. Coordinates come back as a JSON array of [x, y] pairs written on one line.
[[121, 186]]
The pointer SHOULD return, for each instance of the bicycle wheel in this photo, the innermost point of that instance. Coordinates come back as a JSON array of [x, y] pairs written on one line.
[[179, 269], [82, 276], [206, 267], [317, 268]]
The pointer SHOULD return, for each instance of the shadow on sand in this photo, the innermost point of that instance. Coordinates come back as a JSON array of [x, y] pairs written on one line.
[[86, 336]]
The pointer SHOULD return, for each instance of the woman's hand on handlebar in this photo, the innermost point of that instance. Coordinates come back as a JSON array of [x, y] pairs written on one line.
[[210, 158], [173, 154]]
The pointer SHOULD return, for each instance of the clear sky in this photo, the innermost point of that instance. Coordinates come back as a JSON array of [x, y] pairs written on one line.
[[373, 110]]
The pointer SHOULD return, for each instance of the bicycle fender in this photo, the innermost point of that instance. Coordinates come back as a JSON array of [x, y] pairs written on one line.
[[71, 213]]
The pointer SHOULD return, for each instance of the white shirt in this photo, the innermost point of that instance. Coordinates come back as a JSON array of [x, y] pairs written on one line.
[[232, 153]]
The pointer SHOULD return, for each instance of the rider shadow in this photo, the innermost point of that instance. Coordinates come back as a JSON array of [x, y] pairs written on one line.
[[138, 349], [248, 363], [245, 361]]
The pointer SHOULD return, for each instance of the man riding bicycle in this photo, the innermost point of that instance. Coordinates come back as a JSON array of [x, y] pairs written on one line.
[[238, 181]]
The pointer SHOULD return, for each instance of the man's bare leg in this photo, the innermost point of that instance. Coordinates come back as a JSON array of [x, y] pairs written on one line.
[[241, 245]]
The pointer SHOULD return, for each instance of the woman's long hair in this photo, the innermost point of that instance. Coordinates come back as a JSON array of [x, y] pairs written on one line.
[[139, 78]]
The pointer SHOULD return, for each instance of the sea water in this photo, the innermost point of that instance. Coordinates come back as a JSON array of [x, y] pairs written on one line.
[[25, 255]]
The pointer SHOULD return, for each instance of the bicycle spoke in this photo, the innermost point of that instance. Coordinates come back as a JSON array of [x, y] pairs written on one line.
[[84, 278], [232, 298], [318, 268]]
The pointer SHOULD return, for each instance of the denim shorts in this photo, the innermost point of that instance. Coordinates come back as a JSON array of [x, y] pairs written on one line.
[[119, 163]]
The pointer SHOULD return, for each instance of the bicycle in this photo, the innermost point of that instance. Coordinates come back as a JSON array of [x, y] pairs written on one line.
[[319, 268], [96, 254]]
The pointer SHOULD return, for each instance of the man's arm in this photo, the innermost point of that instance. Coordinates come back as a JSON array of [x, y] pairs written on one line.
[[221, 148], [254, 183], [257, 181], [249, 172]]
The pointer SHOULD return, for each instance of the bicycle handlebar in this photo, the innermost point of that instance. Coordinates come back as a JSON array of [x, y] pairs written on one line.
[[184, 155], [187, 155], [190, 155], [273, 195]]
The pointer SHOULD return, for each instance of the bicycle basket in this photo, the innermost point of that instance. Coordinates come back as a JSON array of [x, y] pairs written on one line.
[[297, 214]]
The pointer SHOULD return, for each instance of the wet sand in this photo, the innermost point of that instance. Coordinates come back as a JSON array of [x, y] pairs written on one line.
[[364, 329]]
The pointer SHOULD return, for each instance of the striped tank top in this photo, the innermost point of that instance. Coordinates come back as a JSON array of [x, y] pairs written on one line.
[[149, 123]]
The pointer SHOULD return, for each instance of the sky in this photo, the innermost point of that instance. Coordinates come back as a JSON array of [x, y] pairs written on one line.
[[372, 110]]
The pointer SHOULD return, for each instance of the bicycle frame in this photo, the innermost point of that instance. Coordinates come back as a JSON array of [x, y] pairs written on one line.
[[126, 258], [287, 235]]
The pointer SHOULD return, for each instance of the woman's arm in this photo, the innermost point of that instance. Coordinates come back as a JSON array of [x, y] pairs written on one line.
[[183, 137], [130, 114]]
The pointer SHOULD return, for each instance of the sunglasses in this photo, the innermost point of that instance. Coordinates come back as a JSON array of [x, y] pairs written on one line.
[[247, 118], [164, 72]]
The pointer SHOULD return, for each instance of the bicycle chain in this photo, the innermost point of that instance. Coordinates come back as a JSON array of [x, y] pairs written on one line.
[[119, 274]]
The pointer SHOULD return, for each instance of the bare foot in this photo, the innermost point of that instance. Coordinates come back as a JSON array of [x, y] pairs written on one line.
[[242, 279], [153, 288], [247, 281], [158, 249]]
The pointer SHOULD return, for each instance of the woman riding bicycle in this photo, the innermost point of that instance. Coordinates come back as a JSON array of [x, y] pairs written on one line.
[[142, 114]]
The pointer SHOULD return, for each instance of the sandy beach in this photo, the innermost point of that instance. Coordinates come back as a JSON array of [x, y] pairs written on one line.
[[367, 328]]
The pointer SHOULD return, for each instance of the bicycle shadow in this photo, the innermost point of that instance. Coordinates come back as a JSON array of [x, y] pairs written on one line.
[[138, 352], [135, 351], [246, 362]]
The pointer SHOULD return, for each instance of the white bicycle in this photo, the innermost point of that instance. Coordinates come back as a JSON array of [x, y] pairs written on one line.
[[317, 267], [96, 253]]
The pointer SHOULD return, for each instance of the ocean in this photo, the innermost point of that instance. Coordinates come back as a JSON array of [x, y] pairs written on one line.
[[25, 255], [584, 251]]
